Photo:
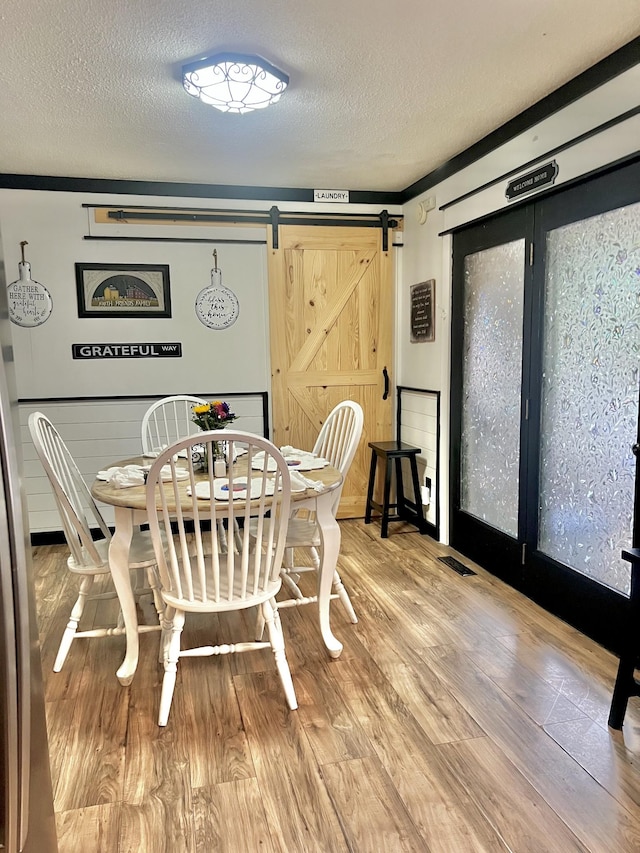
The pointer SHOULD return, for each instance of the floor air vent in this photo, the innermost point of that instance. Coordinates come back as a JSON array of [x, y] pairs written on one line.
[[457, 566]]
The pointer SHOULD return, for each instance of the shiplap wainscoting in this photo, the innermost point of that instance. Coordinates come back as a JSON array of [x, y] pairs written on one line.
[[98, 433], [418, 425]]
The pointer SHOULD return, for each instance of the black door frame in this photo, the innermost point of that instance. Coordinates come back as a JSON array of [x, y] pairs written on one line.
[[594, 609], [470, 535]]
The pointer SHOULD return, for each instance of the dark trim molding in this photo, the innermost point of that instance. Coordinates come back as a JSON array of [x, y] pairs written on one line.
[[550, 153], [106, 398], [175, 240], [47, 537], [608, 68], [558, 188], [54, 183]]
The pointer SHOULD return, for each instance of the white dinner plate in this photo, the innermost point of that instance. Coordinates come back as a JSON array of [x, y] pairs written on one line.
[[221, 488], [295, 463], [311, 463]]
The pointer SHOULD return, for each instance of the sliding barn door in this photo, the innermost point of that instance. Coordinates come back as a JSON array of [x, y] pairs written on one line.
[[331, 321]]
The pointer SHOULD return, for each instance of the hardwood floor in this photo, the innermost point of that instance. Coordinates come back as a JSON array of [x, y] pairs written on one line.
[[460, 717]]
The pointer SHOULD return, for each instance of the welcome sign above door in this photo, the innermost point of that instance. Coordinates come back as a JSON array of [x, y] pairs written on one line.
[[543, 176]]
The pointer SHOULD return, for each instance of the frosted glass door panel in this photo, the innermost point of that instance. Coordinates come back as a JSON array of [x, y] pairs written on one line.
[[491, 385], [591, 356]]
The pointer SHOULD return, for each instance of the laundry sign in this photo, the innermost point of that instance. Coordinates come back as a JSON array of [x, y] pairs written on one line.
[[341, 196], [171, 350]]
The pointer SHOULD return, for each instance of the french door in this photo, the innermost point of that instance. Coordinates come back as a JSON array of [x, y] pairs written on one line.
[[545, 398]]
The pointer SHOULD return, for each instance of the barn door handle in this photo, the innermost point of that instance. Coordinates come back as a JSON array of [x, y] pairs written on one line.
[[386, 383]]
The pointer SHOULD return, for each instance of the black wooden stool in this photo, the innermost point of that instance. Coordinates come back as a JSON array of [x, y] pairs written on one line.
[[626, 685], [406, 510]]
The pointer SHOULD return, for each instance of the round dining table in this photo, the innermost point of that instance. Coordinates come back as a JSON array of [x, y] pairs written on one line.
[[129, 504]]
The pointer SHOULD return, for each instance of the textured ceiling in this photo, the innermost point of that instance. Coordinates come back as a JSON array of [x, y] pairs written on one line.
[[381, 93]]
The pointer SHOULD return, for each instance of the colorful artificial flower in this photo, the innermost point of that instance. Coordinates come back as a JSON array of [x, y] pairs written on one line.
[[213, 415]]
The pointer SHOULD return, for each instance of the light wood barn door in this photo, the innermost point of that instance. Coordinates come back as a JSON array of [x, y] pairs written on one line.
[[331, 322]]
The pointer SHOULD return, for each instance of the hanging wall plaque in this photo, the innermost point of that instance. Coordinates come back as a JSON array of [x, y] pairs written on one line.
[[30, 302], [423, 298], [217, 307]]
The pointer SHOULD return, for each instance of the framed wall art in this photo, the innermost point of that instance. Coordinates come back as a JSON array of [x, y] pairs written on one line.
[[123, 290], [423, 303]]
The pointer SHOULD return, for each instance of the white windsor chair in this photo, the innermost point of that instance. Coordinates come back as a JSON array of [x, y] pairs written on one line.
[[197, 573], [337, 443], [167, 420], [88, 558]]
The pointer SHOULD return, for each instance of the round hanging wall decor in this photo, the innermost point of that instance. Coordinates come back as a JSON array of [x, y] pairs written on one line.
[[217, 307], [30, 303]]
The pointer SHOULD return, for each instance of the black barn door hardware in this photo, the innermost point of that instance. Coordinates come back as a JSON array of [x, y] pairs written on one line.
[[274, 217]]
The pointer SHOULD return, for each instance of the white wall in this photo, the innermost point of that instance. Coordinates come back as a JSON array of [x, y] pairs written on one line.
[[236, 359], [54, 224], [427, 255]]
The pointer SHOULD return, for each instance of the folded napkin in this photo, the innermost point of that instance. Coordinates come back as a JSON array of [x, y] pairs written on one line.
[[122, 478], [299, 481], [287, 450], [136, 475]]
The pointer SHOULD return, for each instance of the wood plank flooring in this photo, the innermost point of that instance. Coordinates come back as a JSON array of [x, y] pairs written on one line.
[[461, 717]]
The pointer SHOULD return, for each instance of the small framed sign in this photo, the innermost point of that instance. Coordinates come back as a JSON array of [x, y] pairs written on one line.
[[135, 350], [542, 176], [423, 303], [123, 290]]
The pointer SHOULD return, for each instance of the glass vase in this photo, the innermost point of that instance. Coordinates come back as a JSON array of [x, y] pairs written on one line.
[[214, 454]]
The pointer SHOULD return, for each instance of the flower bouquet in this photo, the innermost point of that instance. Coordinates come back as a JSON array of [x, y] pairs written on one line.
[[213, 415]]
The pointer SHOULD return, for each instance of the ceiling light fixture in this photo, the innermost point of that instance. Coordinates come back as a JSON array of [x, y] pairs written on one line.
[[234, 83]]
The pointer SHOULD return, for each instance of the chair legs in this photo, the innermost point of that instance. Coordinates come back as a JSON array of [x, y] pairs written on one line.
[[290, 575], [259, 625], [343, 595], [170, 639], [172, 625], [70, 631], [276, 638], [154, 585], [165, 634], [222, 536], [87, 582]]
